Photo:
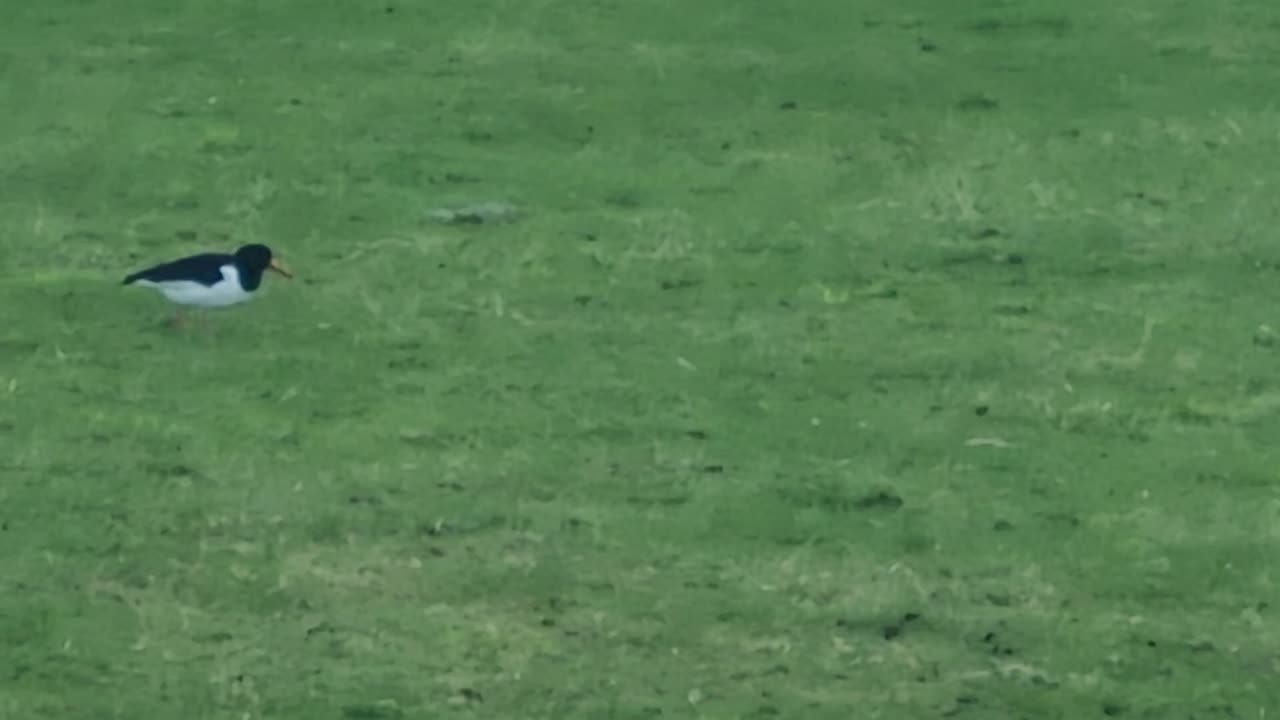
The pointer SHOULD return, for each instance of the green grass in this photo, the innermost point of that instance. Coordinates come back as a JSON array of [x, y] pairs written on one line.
[[847, 359]]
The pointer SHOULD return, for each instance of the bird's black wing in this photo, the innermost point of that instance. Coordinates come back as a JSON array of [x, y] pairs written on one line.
[[205, 269]]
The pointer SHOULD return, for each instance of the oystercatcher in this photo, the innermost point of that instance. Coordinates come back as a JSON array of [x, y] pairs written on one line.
[[210, 279]]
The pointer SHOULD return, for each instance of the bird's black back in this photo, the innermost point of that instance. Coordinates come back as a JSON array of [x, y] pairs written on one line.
[[205, 268]]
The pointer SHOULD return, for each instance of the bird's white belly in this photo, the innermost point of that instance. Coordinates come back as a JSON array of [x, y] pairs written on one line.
[[187, 292]]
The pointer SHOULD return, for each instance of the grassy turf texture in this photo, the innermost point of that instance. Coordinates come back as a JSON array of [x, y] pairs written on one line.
[[845, 359]]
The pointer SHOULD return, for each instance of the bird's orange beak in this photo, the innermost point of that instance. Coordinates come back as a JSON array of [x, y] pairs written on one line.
[[276, 267]]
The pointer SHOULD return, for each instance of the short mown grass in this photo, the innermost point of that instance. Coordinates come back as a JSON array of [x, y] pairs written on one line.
[[860, 359]]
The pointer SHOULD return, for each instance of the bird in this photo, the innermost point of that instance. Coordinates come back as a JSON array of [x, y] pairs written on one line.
[[210, 279]]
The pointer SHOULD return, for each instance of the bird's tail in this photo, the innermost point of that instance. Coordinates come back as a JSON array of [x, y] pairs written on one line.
[[129, 280]]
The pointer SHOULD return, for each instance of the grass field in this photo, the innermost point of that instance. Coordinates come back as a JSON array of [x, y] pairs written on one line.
[[845, 359]]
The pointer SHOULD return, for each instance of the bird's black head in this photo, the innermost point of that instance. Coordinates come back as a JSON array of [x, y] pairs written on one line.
[[257, 258]]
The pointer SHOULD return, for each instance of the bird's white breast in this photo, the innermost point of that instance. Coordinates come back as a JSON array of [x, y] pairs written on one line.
[[226, 291]]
